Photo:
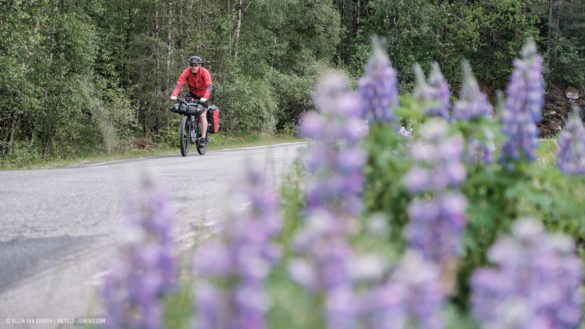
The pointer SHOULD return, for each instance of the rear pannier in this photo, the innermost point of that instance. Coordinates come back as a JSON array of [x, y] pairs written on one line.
[[213, 119]]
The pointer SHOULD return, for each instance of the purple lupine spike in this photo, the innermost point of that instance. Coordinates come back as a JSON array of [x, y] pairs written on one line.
[[340, 308], [378, 87], [522, 108], [571, 155], [326, 269], [435, 91], [472, 102], [436, 227], [324, 240], [532, 68], [438, 160], [413, 297], [534, 283], [243, 260], [424, 295], [334, 162], [437, 223], [443, 95], [481, 152], [146, 270], [384, 307], [335, 159]]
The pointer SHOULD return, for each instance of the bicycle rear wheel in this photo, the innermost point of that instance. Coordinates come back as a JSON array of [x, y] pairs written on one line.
[[184, 135]]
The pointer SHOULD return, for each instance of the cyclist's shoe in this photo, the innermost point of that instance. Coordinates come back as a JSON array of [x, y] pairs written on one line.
[[202, 142]]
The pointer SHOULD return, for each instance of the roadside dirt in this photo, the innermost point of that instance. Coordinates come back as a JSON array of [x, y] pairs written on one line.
[[556, 109]]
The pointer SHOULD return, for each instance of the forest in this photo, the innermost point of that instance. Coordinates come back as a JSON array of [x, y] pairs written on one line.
[[89, 76]]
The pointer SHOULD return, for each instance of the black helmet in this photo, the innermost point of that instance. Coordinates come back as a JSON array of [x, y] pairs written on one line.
[[195, 60]]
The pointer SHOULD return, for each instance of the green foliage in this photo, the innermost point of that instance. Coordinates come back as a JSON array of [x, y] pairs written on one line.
[[248, 105], [293, 98], [563, 39], [292, 306], [503, 26], [496, 195], [385, 194], [293, 93], [292, 204], [410, 28], [130, 53], [178, 307], [485, 32], [21, 156], [568, 66]]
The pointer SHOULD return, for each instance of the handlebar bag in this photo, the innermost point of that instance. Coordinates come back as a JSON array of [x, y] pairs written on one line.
[[179, 107], [175, 108], [194, 109]]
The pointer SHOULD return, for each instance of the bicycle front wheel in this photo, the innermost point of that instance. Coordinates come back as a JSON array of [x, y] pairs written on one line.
[[185, 122], [201, 149]]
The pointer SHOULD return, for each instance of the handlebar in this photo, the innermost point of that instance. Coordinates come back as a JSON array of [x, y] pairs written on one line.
[[196, 103], [185, 102]]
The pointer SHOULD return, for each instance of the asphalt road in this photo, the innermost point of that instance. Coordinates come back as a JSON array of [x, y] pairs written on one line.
[[58, 226]]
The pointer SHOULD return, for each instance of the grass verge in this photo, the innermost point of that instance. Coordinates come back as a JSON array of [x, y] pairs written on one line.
[[216, 142]]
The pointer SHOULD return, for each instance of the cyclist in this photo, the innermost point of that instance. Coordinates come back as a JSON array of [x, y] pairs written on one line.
[[200, 86]]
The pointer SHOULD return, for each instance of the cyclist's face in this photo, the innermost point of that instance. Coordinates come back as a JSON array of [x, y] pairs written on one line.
[[195, 67]]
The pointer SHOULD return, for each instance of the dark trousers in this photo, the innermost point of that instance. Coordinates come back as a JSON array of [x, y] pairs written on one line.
[[192, 98]]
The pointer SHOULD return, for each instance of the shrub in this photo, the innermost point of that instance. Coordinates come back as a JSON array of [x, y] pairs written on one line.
[[248, 104]]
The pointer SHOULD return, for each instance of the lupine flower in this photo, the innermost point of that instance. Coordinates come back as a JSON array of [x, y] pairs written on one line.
[[473, 104], [405, 132], [571, 155], [326, 267], [146, 270], [534, 283], [412, 298], [437, 160], [435, 91], [335, 160], [378, 87], [436, 224], [522, 108], [324, 239], [242, 262], [481, 152], [334, 163]]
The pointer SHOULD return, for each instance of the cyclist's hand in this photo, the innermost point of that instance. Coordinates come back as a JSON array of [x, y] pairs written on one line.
[[173, 98], [202, 100]]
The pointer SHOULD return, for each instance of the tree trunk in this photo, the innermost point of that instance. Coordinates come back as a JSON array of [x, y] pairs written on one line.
[[549, 30], [156, 34], [349, 12], [357, 17], [13, 126], [169, 43], [237, 30]]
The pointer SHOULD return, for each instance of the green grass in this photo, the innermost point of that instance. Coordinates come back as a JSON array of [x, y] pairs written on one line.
[[547, 153], [216, 142]]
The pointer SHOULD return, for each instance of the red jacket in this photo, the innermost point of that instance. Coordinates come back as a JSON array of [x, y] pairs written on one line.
[[199, 84]]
